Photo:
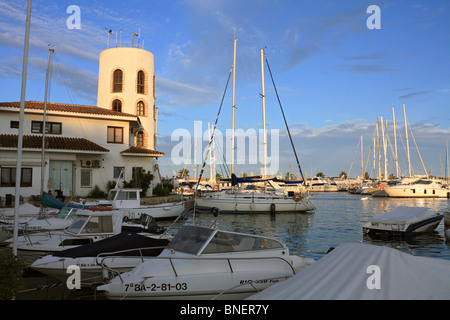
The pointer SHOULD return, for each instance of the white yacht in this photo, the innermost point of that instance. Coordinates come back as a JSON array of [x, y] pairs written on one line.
[[422, 188], [206, 263]]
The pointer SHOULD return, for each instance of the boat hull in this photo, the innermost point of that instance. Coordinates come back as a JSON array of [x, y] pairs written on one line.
[[250, 205], [418, 227], [416, 192]]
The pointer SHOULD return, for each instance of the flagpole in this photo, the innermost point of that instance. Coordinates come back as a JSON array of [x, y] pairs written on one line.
[[21, 124]]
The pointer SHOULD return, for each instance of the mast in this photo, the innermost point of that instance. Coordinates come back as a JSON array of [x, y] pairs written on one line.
[[21, 124], [383, 129], [233, 107], [378, 149], [407, 143], [44, 126], [395, 143], [362, 159], [263, 95]]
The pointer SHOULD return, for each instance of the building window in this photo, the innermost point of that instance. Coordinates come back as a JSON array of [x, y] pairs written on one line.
[[50, 127], [14, 125], [140, 139], [115, 135], [117, 105], [8, 177], [140, 82], [86, 178], [117, 171], [140, 108], [117, 80]]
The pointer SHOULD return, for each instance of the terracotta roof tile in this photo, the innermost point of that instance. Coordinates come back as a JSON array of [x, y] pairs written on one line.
[[52, 143], [39, 105], [142, 151]]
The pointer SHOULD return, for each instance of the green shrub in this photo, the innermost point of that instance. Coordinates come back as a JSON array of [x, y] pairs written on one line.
[[11, 268], [97, 193], [162, 189]]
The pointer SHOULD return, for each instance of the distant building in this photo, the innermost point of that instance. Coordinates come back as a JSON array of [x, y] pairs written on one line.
[[87, 145]]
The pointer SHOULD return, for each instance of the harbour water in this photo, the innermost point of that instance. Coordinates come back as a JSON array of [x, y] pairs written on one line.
[[338, 219]]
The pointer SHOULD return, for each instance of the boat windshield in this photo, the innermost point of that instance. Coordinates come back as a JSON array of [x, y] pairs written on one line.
[[92, 224], [235, 242], [191, 239], [122, 195], [66, 212]]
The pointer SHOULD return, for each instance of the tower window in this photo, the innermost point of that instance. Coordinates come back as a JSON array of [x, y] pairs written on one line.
[[117, 105], [117, 80], [140, 139], [140, 110], [140, 82]]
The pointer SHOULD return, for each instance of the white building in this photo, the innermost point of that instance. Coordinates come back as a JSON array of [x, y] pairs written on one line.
[[86, 145]]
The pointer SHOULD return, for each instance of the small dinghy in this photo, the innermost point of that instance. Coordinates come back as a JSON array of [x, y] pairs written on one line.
[[403, 221]]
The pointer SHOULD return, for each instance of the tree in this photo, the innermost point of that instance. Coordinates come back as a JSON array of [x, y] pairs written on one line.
[[343, 175], [218, 176], [183, 173], [141, 179], [320, 175]]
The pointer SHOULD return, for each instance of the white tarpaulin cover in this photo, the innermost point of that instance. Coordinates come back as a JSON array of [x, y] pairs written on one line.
[[403, 215], [348, 273]]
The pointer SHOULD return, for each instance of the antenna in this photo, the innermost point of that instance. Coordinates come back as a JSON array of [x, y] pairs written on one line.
[[132, 39], [120, 31], [109, 32]]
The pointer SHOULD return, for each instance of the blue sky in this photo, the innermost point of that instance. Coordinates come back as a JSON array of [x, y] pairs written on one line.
[[333, 74]]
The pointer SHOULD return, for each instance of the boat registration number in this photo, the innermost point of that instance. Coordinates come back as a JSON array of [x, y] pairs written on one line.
[[137, 287]]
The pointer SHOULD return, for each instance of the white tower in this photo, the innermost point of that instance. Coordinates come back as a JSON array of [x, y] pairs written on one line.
[[126, 83]]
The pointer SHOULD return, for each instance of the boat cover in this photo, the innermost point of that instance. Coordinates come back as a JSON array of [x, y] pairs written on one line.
[[403, 214], [346, 274], [121, 241], [51, 202]]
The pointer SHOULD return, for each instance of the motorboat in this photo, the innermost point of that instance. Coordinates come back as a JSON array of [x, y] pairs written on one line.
[[257, 202], [318, 184], [126, 199], [403, 220], [89, 226], [129, 201], [59, 221], [119, 253], [447, 225], [422, 188], [206, 263]]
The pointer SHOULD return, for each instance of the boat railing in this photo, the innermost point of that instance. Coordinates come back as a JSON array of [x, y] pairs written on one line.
[[112, 254], [171, 259]]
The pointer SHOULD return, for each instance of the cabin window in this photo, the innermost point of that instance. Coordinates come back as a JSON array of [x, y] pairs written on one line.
[[117, 105], [140, 139], [115, 135], [140, 82], [98, 224], [117, 80], [8, 177], [140, 108]]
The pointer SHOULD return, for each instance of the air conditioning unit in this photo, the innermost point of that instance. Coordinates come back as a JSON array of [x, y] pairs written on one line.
[[95, 163], [86, 163]]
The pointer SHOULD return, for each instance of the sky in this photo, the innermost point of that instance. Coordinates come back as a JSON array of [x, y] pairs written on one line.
[[334, 73]]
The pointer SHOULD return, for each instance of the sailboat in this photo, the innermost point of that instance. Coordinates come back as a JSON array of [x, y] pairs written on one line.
[[255, 202]]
